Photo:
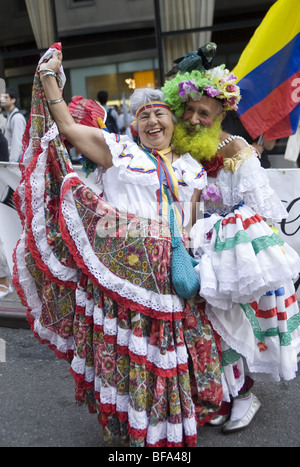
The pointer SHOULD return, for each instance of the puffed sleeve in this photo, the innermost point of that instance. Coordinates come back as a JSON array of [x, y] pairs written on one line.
[[249, 183], [190, 174], [130, 164]]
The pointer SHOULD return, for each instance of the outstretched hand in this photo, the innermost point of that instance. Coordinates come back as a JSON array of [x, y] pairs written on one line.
[[53, 63]]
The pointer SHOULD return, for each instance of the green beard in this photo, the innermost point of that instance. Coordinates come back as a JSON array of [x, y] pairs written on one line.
[[202, 144]]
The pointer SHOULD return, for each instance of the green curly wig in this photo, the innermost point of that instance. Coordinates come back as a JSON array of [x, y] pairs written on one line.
[[170, 89]]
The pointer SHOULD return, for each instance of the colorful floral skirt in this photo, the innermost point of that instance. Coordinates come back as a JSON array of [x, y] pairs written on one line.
[[98, 289]]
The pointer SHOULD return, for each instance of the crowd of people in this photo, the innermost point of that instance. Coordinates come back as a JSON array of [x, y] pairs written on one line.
[[118, 118], [98, 273]]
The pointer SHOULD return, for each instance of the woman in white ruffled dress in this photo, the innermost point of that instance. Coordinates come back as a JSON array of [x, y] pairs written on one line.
[[247, 277]]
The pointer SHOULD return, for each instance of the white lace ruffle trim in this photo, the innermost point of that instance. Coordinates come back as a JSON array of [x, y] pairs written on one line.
[[148, 299], [249, 184], [140, 421], [34, 303], [276, 363]]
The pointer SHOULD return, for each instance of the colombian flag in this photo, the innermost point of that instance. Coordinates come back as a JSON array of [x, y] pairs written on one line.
[[268, 74]]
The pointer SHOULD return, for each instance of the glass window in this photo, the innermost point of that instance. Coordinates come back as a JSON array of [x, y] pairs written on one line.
[[138, 74], [123, 80], [137, 79], [108, 82]]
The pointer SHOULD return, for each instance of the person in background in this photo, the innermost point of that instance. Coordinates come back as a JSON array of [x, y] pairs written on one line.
[[5, 287], [2, 121], [112, 114], [232, 124], [15, 124], [4, 155], [124, 123]]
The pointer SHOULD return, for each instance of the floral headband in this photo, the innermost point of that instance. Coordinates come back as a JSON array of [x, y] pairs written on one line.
[[217, 82]]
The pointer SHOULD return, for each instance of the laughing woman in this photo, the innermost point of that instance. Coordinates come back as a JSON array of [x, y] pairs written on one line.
[[95, 272]]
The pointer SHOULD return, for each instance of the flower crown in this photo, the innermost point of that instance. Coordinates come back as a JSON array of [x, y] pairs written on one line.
[[217, 82]]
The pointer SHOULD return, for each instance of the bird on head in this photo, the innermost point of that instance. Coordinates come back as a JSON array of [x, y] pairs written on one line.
[[200, 60]]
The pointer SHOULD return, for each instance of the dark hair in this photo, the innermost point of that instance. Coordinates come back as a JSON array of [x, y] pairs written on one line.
[[232, 124], [102, 97], [12, 93]]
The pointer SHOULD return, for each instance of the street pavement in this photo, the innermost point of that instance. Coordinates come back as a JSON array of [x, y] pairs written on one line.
[[38, 408]]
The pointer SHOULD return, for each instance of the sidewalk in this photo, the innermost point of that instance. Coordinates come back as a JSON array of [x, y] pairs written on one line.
[[49, 417], [38, 407]]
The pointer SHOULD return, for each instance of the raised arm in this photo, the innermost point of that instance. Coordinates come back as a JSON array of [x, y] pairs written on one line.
[[88, 140]]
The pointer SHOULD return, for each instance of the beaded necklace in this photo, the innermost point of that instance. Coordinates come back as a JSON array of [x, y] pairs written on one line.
[[229, 139]]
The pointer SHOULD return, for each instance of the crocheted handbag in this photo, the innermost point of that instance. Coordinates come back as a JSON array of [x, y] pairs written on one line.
[[184, 278]]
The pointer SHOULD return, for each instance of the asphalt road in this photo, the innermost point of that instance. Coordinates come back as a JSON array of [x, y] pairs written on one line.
[[38, 408]]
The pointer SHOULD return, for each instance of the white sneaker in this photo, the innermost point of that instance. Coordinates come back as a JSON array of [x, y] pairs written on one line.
[[5, 292]]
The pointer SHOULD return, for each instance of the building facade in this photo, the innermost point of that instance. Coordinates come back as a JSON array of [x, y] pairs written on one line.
[[119, 44]]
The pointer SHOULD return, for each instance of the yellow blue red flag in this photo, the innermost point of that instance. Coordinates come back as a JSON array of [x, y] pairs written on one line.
[[268, 73]]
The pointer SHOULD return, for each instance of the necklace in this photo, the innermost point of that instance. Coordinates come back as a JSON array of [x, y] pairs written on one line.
[[229, 139]]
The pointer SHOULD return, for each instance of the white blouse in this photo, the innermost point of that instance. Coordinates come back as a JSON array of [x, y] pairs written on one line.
[[244, 180], [131, 184]]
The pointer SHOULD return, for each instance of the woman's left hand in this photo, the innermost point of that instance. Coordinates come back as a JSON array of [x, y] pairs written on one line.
[[53, 63]]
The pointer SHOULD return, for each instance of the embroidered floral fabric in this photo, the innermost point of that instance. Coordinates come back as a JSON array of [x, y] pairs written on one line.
[[97, 286]]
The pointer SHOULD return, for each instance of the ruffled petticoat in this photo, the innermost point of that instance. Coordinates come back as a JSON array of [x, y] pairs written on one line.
[[100, 295], [247, 279]]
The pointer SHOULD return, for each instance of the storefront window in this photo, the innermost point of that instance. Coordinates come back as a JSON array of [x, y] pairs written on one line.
[[108, 82], [117, 79]]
